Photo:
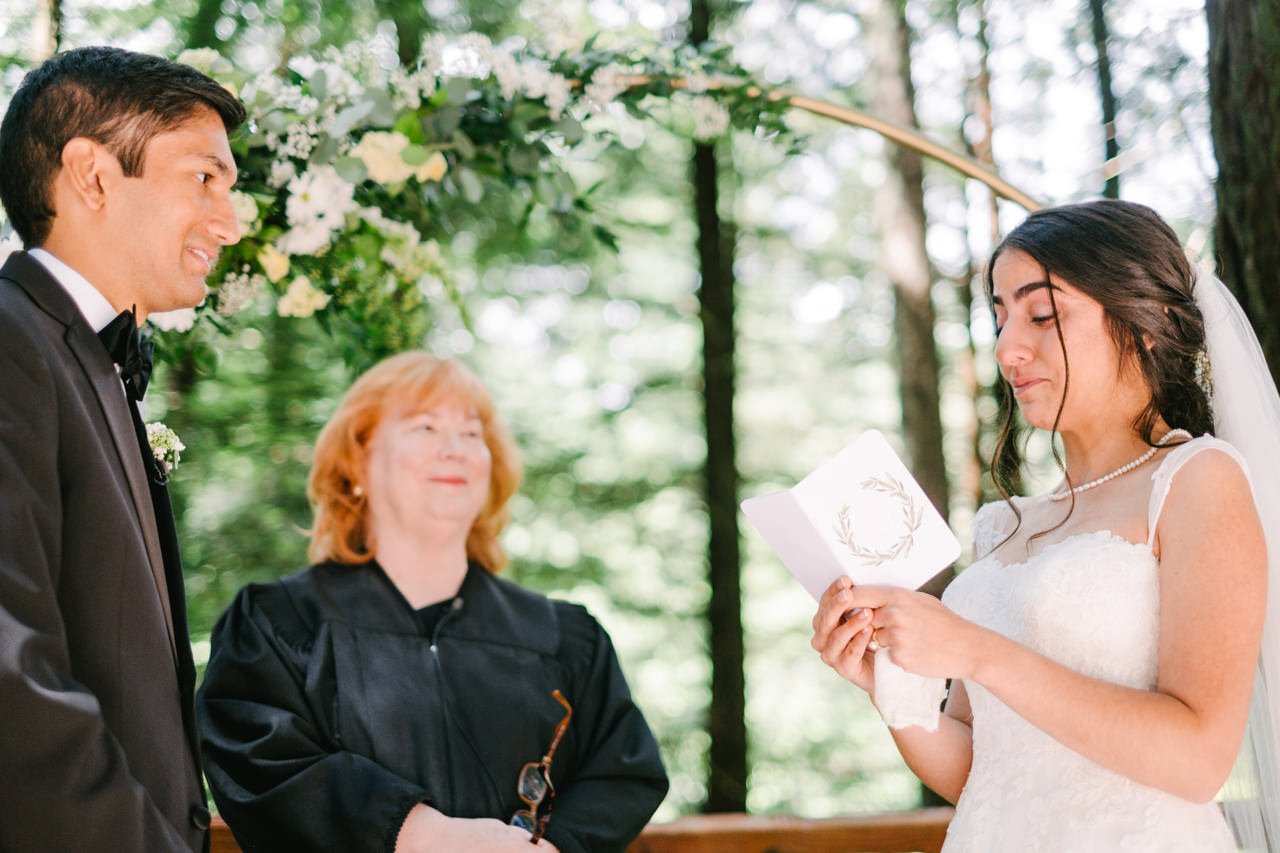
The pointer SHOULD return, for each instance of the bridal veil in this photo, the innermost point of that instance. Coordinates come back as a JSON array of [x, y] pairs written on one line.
[[1246, 413]]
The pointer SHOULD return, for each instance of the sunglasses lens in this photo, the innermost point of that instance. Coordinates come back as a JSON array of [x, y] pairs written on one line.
[[533, 785], [525, 820]]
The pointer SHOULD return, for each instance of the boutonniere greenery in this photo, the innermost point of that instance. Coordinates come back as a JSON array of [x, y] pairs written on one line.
[[165, 446]]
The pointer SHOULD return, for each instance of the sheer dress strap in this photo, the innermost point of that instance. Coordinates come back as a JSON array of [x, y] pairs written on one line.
[[991, 523], [1162, 477]]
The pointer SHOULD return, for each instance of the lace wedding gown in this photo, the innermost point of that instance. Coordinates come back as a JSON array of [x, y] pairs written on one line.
[[1090, 602]]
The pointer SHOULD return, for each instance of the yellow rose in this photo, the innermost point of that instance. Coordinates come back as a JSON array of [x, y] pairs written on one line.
[[382, 153], [433, 169], [275, 263], [301, 300]]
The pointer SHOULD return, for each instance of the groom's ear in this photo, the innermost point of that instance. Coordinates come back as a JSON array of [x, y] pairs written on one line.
[[87, 169]]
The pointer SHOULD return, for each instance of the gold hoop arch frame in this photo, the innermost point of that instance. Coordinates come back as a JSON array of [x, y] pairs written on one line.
[[897, 134], [913, 140]]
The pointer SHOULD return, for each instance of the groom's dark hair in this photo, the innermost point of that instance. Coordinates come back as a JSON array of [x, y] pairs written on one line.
[[115, 97]]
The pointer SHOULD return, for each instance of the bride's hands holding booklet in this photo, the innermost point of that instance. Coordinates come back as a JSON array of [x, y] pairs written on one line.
[[926, 637], [855, 525], [841, 634]]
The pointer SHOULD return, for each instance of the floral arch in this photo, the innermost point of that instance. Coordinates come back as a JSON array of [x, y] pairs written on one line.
[[351, 165]]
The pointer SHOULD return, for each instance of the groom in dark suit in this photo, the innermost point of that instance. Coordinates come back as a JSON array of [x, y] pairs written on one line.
[[115, 171]]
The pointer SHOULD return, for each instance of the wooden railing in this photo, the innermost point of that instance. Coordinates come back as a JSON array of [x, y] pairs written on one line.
[[896, 832]]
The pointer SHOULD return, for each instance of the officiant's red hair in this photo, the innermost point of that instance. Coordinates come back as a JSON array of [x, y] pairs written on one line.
[[410, 381]]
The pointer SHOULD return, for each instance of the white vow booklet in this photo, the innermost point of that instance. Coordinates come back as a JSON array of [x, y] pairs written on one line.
[[862, 514]]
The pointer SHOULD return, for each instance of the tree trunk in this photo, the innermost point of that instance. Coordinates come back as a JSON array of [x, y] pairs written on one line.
[[411, 21], [979, 107], [1097, 13], [1244, 102], [727, 771], [900, 221], [202, 28], [46, 34]]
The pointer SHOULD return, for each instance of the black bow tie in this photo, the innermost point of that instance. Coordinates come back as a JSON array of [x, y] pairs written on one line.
[[129, 349]]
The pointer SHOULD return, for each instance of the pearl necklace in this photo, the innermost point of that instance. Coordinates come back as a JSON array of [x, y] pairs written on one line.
[[1123, 469]]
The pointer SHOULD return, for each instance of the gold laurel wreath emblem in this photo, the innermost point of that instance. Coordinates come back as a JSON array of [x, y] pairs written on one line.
[[912, 517]]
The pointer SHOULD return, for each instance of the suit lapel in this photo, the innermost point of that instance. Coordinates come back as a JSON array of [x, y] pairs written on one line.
[[87, 349], [101, 375]]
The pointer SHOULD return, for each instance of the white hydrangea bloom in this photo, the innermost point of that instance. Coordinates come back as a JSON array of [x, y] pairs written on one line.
[[406, 90], [9, 245], [246, 210], [606, 84], [319, 197], [203, 59], [431, 56], [710, 118], [696, 82], [558, 91], [307, 239], [165, 445], [340, 83], [539, 82], [471, 55], [425, 81], [282, 172], [301, 299], [554, 28], [181, 320], [238, 290], [507, 72], [298, 141]]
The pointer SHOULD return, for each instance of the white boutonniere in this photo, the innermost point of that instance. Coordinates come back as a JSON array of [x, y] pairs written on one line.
[[165, 445]]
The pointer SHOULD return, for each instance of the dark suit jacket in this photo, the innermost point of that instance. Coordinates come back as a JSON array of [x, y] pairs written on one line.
[[96, 748]]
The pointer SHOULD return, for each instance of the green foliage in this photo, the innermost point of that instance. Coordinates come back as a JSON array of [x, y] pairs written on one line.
[[352, 169]]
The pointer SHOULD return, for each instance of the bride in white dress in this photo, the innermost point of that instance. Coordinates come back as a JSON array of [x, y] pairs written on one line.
[[1104, 644]]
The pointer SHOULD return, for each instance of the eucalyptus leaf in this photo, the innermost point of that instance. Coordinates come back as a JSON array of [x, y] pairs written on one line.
[[384, 112], [326, 151], [410, 125], [463, 145], [528, 112], [470, 184], [523, 160], [459, 90], [348, 118], [445, 121], [275, 122], [544, 190], [351, 169], [570, 129], [414, 155]]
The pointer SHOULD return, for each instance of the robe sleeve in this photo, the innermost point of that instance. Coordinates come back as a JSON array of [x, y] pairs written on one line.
[[279, 775], [619, 781]]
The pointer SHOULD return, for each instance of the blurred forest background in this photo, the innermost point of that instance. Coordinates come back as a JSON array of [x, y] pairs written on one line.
[[763, 306]]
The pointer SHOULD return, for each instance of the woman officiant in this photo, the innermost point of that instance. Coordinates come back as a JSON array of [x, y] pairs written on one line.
[[397, 694]]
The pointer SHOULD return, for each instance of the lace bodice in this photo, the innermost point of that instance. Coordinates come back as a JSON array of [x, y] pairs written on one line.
[[1090, 602]]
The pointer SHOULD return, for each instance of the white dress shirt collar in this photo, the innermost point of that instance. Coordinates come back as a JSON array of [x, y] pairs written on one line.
[[93, 305]]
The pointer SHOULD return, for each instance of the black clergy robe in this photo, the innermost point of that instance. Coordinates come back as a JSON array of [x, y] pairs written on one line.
[[330, 708]]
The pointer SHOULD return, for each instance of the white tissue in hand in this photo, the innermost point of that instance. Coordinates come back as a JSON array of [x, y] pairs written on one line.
[[905, 699]]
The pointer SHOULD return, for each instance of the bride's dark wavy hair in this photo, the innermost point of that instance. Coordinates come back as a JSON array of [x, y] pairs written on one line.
[[1124, 256]]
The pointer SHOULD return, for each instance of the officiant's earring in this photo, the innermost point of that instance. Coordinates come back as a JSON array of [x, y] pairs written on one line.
[[357, 490]]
